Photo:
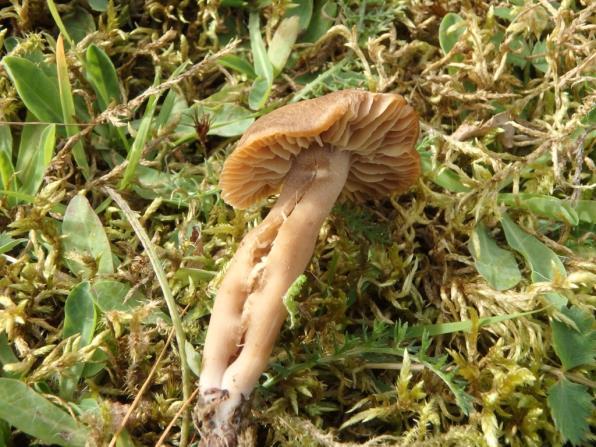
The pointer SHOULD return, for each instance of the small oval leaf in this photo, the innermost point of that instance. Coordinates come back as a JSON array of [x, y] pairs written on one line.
[[496, 265], [84, 237], [450, 30], [38, 92], [101, 74], [545, 264]]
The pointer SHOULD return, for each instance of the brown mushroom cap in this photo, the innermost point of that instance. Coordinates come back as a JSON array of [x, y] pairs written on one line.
[[379, 129]]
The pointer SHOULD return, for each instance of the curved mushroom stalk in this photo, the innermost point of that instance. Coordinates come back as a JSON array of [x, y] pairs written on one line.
[[365, 141], [248, 312]]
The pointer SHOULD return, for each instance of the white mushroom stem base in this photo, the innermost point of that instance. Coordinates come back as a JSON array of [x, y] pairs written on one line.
[[248, 312]]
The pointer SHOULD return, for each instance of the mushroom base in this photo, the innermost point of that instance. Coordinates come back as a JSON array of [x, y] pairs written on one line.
[[248, 311]]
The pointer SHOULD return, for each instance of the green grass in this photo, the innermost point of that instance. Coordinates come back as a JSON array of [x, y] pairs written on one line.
[[460, 313]]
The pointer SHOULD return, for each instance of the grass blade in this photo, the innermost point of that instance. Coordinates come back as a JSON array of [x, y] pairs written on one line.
[[68, 108], [169, 298], [59, 22], [136, 150], [460, 326]]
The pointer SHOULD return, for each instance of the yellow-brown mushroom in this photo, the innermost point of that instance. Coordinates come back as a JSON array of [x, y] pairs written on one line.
[[352, 141]]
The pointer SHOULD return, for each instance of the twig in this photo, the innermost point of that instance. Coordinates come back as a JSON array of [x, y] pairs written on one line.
[[169, 298]]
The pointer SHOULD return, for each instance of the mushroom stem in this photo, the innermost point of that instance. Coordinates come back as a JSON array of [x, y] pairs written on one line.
[[249, 310]]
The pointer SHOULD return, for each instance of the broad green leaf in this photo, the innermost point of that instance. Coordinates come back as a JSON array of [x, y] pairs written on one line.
[[80, 318], [263, 67], [571, 406], [259, 93], [35, 415], [544, 263], [7, 243], [28, 146], [322, 19], [303, 10], [586, 210], [101, 74], [539, 62], [7, 175], [98, 5], [32, 176], [450, 30], [575, 346], [112, 295], [136, 150], [79, 314], [496, 265], [541, 205], [84, 237], [79, 23], [68, 108], [282, 42], [38, 92], [238, 64]]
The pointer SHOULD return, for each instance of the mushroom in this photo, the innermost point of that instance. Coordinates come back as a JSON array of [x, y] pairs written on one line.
[[353, 141]]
